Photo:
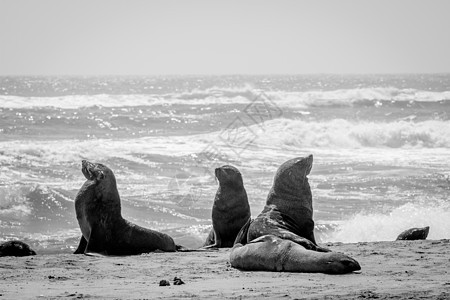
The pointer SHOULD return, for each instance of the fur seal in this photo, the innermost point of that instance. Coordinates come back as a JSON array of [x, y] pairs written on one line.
[[288, 211], [271, 253], [414, 234], [104, 230], [230, 210], [15, 248]]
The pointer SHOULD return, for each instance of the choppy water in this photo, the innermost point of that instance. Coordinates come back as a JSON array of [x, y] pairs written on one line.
[[381, 147]]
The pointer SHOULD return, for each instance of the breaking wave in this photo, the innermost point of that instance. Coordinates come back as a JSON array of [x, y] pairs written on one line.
[[370, 227], [241, 95], [351, 97], [352, 134], [283, 133]]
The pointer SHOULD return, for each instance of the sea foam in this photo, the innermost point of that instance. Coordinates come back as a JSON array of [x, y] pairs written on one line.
[[285, 134], [348, 97], [369, 227], [288, 133], [242, 95]]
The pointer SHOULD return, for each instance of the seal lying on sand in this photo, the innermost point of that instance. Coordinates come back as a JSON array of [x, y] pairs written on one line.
[[414, 234], [230, 209], [288, 212], [15, 248], [104, 230], [270, 253]]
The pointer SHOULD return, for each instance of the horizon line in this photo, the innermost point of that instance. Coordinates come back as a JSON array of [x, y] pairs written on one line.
[[225, 74]]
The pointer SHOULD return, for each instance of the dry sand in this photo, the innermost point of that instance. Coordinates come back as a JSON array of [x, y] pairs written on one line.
[[390, 270]]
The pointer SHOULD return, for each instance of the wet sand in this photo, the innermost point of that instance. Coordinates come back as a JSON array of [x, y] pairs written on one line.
[[390, 270]]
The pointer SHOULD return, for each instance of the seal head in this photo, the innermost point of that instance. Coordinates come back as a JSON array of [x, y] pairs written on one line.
[[291, 192], [290, 178]]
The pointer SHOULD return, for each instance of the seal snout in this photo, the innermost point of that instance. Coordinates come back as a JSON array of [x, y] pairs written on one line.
[[217, 172], [87, 168], [351, 264], [305, 161], [227, 172], [304, 164], [338, 263]]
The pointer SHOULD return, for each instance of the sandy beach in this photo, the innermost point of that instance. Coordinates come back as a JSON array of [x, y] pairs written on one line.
[[326, 120], [390, 270]]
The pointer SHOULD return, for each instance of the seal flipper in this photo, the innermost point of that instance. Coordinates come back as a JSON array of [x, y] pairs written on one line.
[[301, 235], [305, 243], [210, 238], [262, 239], [82, 246], [241, 238], [217, 241], [97, 242]]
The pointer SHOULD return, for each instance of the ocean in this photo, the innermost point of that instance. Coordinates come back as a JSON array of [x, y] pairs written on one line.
[[381, 146]]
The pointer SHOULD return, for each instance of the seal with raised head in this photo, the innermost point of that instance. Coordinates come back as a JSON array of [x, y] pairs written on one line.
[[288, 213], [230, 210], [104, 230], [15, 248], [414, 234], [271, 253]]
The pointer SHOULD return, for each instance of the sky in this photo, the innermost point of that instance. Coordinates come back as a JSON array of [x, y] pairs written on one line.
[[146, 37]]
